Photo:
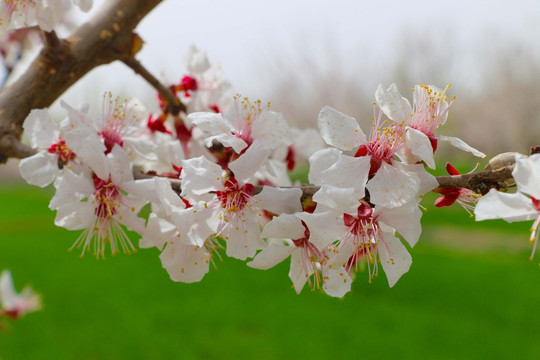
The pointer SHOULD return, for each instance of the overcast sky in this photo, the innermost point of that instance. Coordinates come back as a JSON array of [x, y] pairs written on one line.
[[245, 36]]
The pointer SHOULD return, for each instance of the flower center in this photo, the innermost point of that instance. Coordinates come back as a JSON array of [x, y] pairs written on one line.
[[311, 256], [107, 197], [110, 138], [383, 144], [362, 225], [119, 119], [431, 111], [61, 150], [366, 235], [188, 83], [234, 198]]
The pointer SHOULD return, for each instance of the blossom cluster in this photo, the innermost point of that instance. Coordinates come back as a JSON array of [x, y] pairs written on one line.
[[12, 304], [215, 183], [522, 205], [17, 14]]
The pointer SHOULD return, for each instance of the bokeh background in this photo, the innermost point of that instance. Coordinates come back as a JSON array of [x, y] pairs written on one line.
[[471, 291]]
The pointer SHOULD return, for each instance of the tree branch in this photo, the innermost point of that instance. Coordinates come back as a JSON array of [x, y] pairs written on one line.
[[174, 106], [497, 174], [480, 182], [107, 37]]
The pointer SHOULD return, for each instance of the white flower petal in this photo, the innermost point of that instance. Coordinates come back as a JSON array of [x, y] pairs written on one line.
[[140, 145], [510, 207], [285, 226], [22, 303], [341, 199], [40, 129], [156, 233], [462, 145], [348, 172], [8, 295], [195, 224], [128, 216], [279, 200], [307, 141], [70, 188], [420, 146], [75, 216], [210, 123], [428, 182], [337, 283], [140, 192], [271, 256], [47, 18], [249, 162], [84, 5], [243, 239], [324, 227], [119, 166], [227, 140], [392, 104], [185, 263], [527, 175], [405, 219], [39, 169], [341, 257], [196, 60], [168, 199], [319, 162], [80, 134], [297, 272], [393, 187], [200, 175], [275, 172], [272, 130], [340, 130], [395, 259]]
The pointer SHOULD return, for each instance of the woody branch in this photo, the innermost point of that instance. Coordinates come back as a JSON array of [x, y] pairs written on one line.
[[106, 37], [497, 175]]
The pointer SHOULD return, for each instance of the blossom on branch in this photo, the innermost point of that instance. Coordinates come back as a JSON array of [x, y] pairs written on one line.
[[44, 133], [429, 112], [100, 201], [522, 205], [204, 87], [184, 236], [15, 14], [291, 238], [235, 212], [390, 183], [120, 123], [252, 128], [15, 305]]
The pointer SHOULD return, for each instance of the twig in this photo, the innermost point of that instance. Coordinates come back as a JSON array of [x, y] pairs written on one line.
[[499, 177], [174, 106], [480, 182], [12, 147]]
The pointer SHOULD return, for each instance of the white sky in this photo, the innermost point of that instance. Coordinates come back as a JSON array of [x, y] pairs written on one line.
[[245, 36]]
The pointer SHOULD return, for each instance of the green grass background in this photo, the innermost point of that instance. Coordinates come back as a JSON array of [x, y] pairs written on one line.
[[471, 293]]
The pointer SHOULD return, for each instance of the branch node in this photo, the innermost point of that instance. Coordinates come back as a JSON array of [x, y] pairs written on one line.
[[10, 146]]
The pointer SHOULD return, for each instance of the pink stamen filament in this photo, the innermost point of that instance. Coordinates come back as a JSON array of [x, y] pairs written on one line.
[[365, 234], [311, 256]]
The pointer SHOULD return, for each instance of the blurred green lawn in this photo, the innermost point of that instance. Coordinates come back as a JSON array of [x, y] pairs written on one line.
[[471, 293]]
